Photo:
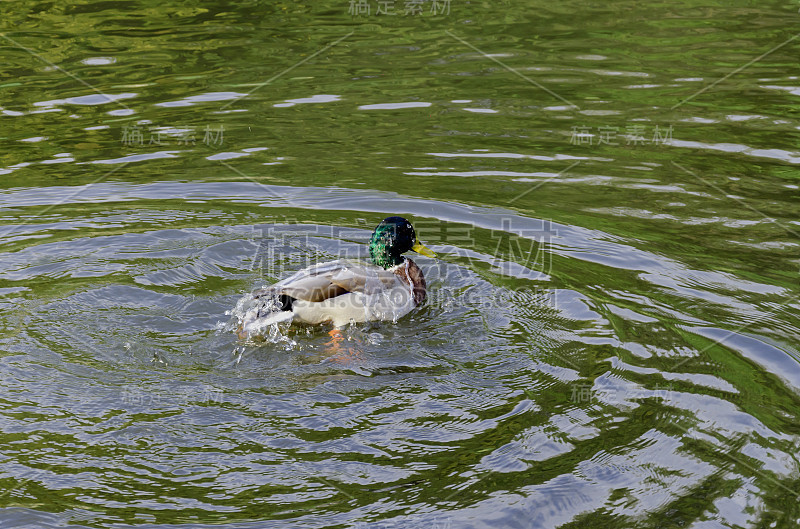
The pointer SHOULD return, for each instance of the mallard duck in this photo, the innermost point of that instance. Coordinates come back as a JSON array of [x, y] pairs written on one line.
[[344, 291]]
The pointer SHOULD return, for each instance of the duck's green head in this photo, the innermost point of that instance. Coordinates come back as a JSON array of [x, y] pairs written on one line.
[[393, 237]]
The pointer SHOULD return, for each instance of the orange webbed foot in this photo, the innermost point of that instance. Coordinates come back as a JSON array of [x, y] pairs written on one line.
[[338, 351]]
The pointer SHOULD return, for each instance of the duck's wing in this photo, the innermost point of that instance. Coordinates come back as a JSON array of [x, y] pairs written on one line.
[[368, 280], [331, 279], [312, 288]]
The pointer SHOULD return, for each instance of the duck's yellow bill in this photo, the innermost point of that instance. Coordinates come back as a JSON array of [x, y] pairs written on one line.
[[422, 249]]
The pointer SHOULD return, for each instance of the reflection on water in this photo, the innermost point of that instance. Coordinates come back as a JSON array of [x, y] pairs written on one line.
[[610, 336]]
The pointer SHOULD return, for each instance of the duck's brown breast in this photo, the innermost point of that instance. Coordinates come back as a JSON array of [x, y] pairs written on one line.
[[411, 273]]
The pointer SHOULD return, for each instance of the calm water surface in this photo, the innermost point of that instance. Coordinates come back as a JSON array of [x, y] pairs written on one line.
[[611, 334]]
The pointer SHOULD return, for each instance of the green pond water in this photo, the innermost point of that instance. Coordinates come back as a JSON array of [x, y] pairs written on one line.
[[611, 332]]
